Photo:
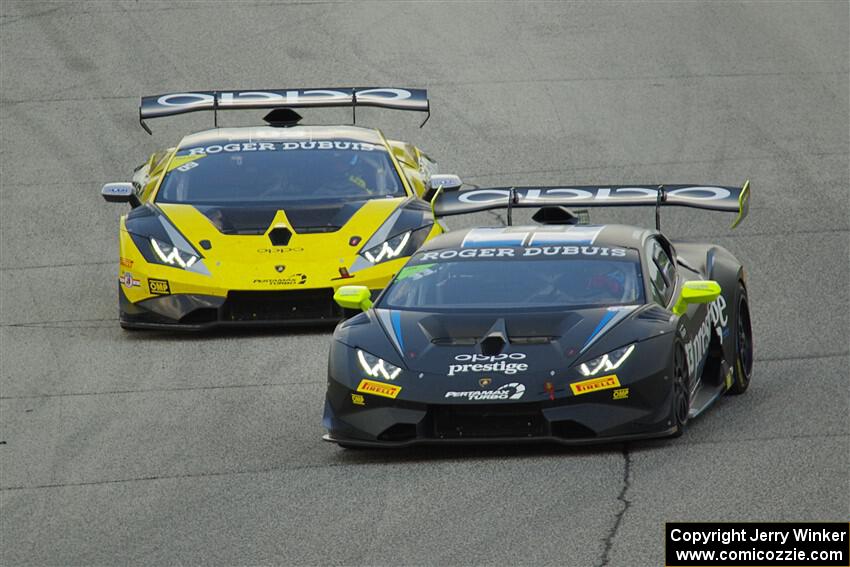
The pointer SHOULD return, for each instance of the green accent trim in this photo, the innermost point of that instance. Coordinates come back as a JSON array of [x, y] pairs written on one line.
[[434, 200], [696, 292], [743, 204], [354, 297], [408, 271]]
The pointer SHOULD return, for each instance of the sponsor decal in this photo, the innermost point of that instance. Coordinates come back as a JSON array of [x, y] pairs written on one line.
[[247, 99], [358, 400], [484, 196], [126, 262], [621, 394], [415, 272], [278, 250], [159, 287], [595, 384], [484, 363], [128, 281], [280, 146], [715, 318], [530, 251], [512, 391], [294, 279], [378, 388]]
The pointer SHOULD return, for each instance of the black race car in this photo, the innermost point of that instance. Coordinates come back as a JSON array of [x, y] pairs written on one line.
[[561, 332]]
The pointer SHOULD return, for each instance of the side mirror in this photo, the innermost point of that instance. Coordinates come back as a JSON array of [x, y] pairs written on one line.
[[696, 292], [354, 297], [447, 181], [120, 193]]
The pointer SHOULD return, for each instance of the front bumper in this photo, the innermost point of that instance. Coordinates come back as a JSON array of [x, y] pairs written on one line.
[[196, 312], [572, 420]]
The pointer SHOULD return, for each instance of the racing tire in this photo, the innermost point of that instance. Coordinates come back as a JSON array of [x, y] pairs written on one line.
[[743, 346], [681, 391]]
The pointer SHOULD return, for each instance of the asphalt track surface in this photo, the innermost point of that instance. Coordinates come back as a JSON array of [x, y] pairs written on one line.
[[125, 448]]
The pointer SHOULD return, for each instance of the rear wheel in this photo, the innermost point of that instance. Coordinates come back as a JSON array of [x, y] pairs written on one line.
[[743, 345], [681, 391]]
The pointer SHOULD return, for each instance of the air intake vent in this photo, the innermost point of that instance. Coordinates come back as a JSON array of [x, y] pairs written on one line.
[[491, 346], [280, 236]]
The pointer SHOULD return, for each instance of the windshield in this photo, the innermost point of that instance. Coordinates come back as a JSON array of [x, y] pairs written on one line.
[[259, 173], [443, 280]]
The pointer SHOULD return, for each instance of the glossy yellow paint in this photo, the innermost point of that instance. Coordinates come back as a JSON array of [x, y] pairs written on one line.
[[250, 262]]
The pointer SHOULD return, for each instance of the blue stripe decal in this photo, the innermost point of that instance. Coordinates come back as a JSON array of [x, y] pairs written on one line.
[[395, 317], [610, 320], [605, 318]]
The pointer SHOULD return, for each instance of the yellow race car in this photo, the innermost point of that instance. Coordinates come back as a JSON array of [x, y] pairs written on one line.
[[260, 225]]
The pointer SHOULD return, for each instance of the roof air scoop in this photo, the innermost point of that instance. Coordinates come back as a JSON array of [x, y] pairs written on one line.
[[558, 214], [495, 339], [282, 117]]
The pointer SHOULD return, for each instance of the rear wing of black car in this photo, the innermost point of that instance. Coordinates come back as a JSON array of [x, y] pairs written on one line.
[[381, 97], [714, 198]]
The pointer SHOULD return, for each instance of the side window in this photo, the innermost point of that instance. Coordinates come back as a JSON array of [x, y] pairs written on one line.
[[662, 273]]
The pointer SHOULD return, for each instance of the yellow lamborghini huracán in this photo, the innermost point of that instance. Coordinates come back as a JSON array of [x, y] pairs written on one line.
[[260, 225]]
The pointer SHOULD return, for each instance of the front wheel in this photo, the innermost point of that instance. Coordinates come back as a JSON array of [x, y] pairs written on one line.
[[681, 391], [743, 345]]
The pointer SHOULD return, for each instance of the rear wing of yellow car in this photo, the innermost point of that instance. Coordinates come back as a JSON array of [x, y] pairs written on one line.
[[714, 198], [381, 97]]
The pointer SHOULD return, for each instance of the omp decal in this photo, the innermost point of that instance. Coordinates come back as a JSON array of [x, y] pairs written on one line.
[[128, 281], [581, 235], [512, 391], [126, 262], [159, 287], [378, 388], [611, 318], [621, 394], [697, 348], [595, 384], [484, 363], [488, 237], [358, 400]]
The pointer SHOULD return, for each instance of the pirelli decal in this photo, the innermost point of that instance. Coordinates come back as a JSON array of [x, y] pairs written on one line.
[[601, 383], [378, 389]]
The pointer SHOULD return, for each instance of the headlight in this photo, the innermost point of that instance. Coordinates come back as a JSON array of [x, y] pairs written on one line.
[[172, 256], [607, 362], [399, 246], [377, 367]]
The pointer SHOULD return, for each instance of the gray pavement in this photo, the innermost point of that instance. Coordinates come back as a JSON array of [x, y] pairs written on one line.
[[149, 448]]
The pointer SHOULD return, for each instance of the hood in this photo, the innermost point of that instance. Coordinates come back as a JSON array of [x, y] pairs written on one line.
[[529, 343], [328, 217], [251, 247]]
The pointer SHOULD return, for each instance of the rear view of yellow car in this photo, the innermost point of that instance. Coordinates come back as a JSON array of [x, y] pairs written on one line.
[[260, 225]]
